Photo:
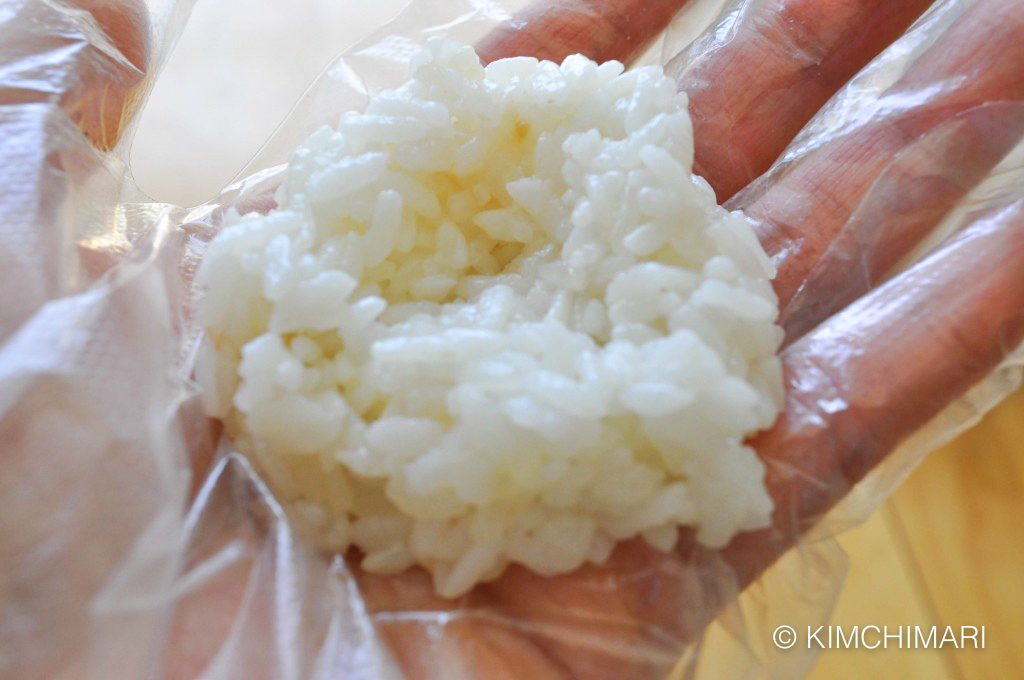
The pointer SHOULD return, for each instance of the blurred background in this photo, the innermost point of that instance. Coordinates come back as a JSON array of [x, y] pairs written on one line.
[[945, 549]]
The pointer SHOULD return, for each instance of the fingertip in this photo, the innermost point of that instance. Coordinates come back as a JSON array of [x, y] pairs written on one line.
[[108, 75], [603, 30]]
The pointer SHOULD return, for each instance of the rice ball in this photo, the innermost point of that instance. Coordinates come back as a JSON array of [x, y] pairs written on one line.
[[495, 318]]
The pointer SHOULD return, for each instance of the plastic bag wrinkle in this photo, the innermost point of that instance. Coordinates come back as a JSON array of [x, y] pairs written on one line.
[[151, 534]]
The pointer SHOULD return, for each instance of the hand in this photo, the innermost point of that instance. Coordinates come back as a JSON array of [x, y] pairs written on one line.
[[866, 364]]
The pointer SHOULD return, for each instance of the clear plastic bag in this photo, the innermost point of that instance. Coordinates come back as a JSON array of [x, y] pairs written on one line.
[[133, 542]]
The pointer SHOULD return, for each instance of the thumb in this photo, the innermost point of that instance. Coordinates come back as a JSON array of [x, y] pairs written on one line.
[[89, 57]]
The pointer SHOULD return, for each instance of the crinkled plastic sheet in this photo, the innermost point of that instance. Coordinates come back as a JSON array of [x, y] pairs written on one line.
[[135, 544]]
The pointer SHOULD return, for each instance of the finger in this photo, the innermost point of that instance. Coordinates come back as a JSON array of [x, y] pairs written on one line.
[[805, 207], [123, 23], [88, 56], [600, 29], [58, 79], [751, 92], [436, 638], [922, 184], [628, 617], [622, 619], [107, 95], [872, 375], [857, 386]]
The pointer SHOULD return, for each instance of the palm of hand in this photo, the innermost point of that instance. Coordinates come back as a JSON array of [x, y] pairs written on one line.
[[866, 365]]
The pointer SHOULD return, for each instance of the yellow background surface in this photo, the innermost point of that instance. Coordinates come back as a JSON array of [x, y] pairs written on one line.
[[946, 549]]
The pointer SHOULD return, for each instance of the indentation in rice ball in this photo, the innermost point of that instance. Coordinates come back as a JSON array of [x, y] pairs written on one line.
[[495, 318]]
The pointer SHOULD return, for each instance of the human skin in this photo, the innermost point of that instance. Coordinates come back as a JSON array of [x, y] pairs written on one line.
[[857, 385], [97, 55], [600, 29], [829, 223], [784, 60]]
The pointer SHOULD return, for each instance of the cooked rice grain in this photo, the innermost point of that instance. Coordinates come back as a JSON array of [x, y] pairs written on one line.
[[495, 318]]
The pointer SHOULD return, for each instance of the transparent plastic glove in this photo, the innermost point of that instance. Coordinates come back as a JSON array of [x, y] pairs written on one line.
[[133, 542]]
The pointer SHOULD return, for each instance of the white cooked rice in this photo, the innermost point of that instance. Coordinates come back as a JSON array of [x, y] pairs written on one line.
[[496, 319]]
